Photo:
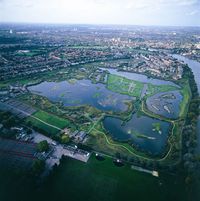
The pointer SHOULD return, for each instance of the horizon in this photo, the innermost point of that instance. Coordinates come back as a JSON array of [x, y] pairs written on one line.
[[91, 24]]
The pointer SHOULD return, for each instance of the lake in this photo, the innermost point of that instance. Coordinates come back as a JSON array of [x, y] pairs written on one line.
[[147, 138], [82, 92], [150, 138], [166, 104]]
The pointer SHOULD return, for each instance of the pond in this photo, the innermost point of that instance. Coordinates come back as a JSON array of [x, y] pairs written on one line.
[[151, 138], [166, 104], [82, 92]]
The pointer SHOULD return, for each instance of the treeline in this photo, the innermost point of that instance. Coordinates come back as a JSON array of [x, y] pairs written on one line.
[[189, 134], [7, 121]]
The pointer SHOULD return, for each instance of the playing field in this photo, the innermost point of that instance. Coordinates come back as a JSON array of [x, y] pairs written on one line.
[[93, 181], [103, 181], [48, 122]]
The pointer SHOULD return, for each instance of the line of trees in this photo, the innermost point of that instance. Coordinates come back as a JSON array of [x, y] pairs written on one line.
[[189, 134]]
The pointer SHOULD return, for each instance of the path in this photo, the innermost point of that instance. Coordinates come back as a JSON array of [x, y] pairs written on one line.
[[30, 115]]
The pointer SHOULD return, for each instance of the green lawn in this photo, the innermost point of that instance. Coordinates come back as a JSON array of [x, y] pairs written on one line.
[[93, 181], [154, 89], [134, 88], [103, 181], [31, 53], [50, 119], [124, 86], [186, 93]]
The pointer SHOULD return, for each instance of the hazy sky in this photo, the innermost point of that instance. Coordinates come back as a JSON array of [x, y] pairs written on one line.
[[137, 12]]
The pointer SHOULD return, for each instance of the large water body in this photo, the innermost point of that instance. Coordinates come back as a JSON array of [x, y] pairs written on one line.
[[195, 67], [165, 104], [82, 92], [151, 140]]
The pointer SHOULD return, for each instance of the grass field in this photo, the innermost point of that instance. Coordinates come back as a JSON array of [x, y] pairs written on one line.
[[124, 86], [103, 181], [154, 89], [186, 93], [50, 119], [94, 181], [31, 53], [134, 88]]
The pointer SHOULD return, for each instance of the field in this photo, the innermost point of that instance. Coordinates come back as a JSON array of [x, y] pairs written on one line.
[[94, 181], [103, 181], [31, 53], [134, 88], [186, 93], [57, 123], [154, 89], [124, 86]]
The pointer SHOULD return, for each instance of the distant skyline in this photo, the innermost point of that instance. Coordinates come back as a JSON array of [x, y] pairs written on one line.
[[127, 12]]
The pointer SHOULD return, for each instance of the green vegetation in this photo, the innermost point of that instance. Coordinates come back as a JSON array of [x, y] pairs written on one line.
[[124, 86], [186, 93], [154, 89], [31, 53], [157, 126], [96, 95], [134, 88], [49, 123], [99, 141], [103, 181], [43, 146], [72, 81], [94, 181], [62, 95], [65, 139], [139, 135], [7, 121], [38, 167]]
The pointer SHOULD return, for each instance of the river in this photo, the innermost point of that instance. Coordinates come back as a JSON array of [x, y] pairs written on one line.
[[195, 67]]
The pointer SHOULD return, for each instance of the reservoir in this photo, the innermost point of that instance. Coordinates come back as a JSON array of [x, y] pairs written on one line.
[[82, 92], [150, 138]]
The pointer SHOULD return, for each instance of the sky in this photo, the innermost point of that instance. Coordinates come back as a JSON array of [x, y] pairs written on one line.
[[131, 12]]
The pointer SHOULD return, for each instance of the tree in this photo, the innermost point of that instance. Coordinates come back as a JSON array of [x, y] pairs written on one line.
[[9, 122], [29, 131], [43, 146], [38, 167], [188, 180], [65, 139]]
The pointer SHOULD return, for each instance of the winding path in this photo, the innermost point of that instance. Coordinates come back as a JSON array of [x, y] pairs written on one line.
[[130, 151]]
